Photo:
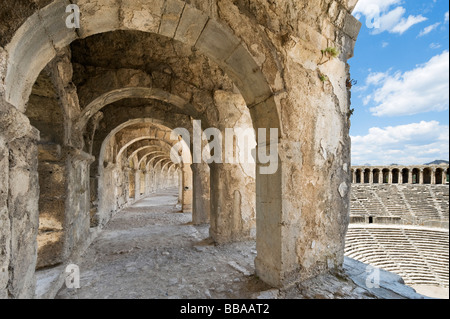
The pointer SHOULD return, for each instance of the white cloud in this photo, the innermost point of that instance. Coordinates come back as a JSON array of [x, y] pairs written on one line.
[[367, 6], [423, 89], [411, 144], [446, 17], [381, 18], [376, 78], [384, 44], [435, 45], [429, 29]]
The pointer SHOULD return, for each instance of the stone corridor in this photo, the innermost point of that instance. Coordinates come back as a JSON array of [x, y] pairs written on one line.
[[151, 250]]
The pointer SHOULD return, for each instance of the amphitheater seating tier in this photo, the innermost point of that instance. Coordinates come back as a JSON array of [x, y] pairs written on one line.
[[414, 204], [419, 255]]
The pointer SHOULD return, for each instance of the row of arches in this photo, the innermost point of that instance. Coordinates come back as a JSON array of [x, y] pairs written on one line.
[[87, 114], [436, 175]]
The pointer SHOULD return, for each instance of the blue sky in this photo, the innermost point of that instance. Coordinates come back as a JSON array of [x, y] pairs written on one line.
[[401, 100]]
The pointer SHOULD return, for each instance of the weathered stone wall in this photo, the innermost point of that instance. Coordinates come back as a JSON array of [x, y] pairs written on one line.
[[5, 222], [19, 203]]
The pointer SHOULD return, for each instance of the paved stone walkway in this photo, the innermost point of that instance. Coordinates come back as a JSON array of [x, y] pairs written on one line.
[[150, 250]]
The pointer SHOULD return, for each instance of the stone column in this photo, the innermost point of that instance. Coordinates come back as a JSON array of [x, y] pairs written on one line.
[[131, 184], [180, 186], [433, 177], [19, 203], [77, 201], [166, 178], [147, 182], [5, 230], [137, 183], [354, 177], [23, 196], [163, 179], [201, 205], [390, 177], [361, 174], [421, 177], [371, 177], [153, 180], [400, 177], [232, 203], [186, 198], [158, 177], [410, 177]]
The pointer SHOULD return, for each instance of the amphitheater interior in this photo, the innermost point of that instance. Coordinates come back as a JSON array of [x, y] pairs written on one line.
[[401, 224]]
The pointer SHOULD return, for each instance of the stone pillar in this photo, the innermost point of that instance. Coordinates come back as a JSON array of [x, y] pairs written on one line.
[[19, 203], [400, 177], [433, 177], [165, 178], [153, 181], [410, 177], [361, 174], [186, 200], [23, 209], [147, 182], [232, 203], [161, 181], [173, 177], [5, 223], [421, 177], [77, 201], [354, 177], [201, 205], [371, 177], [180, 186], [390, 177], [137, 184], [112, 192], [131, 184]]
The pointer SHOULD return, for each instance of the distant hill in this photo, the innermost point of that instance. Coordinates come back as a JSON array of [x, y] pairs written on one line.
[[438, 162]]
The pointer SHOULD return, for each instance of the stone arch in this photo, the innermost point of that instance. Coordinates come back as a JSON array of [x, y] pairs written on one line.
[[439, 176], [395, 176], [427, 174], [415, 176], [146, 145], [131, 92], [129, 123], [385, 175], [367, 178], [405, 175], [146, 155], [46, 33], [106, 173], [214, 39], [376, 176], [142, 151], [358, 176]]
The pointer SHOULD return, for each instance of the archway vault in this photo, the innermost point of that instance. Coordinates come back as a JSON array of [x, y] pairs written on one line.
[[39, 39]]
